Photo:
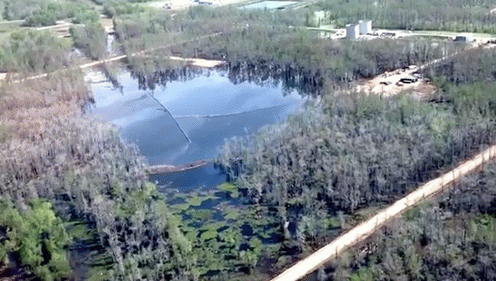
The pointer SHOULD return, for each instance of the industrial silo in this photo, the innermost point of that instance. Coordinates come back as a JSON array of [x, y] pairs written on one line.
[[365, 27], [352, 31]]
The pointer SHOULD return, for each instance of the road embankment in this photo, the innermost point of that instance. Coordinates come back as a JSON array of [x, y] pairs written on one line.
[[365, 229]]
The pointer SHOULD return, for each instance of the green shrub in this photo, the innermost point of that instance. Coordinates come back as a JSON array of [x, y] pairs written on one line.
[[41, 18], [37, 236], [86, 16], [33, 51], [91, 38]]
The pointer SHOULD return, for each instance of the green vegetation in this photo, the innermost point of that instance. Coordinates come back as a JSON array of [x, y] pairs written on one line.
[[150, 29], [86, 172], [450, 15], [472, 66], [358, 151], [307, 178], [86, 16], [452, 237], [41, 18], [33, 51], [113, 8], [245, 39], [41, 12], [91, 38], [36, 236], [230, 188], [224, 240], [316, 62]]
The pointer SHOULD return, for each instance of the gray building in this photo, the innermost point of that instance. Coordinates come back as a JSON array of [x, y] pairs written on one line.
[[352, 31]]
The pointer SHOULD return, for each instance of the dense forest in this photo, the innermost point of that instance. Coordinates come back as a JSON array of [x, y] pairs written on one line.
[[359, 151], [452, 15], [356, 152], [71, 188], [44, 12], [452, 237], [247, 45]]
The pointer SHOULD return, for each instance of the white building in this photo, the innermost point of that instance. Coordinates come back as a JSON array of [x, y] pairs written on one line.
[[352, 31], [319, 18], [365, 27]]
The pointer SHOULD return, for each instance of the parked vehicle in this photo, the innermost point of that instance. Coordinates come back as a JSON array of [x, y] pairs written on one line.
[[408, 80]]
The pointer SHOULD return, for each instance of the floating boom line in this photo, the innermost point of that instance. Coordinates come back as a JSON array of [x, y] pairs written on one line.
[[229, 114], [166, 110]]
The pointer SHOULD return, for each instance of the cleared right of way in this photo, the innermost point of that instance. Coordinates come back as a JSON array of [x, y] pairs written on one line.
[[192, 61], [365, 229]]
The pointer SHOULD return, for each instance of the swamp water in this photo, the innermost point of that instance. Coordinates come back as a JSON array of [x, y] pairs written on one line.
[[177, 119]]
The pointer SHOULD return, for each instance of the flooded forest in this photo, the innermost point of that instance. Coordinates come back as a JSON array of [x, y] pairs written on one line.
[[228, 140]]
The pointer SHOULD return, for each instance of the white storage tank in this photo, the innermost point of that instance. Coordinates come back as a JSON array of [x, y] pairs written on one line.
[[352, 31], [365, 27]]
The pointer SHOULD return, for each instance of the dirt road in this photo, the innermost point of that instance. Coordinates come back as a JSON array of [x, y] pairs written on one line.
[[364, 230], [190, 61]]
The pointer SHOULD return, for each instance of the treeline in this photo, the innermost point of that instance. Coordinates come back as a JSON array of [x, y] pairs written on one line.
[[33, 51], [303, 53], [452, 15], [467, 67], [113, 8], [313, 68], [451, 238], [467, 82], [356, 152], [30, 51], [254, 41], [153, 28], [42, 12]]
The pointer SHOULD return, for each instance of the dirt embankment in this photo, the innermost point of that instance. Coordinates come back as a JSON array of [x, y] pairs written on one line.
[[167, 169]]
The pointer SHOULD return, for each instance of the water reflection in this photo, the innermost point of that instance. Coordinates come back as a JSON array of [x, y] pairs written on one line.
[[208, 106], [165, 144], [287, 77]]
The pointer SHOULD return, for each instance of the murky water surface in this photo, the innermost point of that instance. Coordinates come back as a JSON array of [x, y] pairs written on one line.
[[188, 120], [176, 119]]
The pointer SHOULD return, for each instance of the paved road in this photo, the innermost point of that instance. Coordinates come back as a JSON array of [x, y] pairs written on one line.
[[482, 37], [364, 230]]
